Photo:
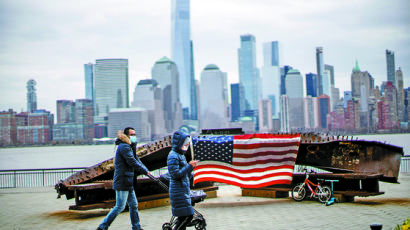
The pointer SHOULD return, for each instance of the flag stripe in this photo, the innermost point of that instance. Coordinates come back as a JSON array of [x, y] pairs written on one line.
[[242, 145], [248, 176], [240, 170], [264, 157], [266, 136], [262, 152], [243, 169], [267, 161], [246, 184]]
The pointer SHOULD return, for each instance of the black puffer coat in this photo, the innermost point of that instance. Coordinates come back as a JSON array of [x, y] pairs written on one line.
[[179, 171]]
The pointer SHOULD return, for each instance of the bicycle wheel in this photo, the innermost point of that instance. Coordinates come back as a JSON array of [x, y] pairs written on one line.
[[299, 192], [325, 193]]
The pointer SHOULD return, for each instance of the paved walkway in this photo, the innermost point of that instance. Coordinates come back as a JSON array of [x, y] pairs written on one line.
[[39, 209]]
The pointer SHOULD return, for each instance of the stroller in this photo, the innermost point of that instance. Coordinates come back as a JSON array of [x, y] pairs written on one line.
[[196, 196]]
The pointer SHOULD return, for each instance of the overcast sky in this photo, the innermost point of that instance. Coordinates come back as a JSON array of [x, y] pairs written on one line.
[[50, 40]]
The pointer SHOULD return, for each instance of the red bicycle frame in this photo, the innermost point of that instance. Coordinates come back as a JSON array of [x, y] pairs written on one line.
[[308, 183]]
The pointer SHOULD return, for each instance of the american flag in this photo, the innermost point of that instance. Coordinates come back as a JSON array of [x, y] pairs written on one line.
[[247, 161]]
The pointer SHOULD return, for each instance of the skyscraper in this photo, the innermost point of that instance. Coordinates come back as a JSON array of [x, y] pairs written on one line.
[[295, 94], [391, 67], [320, 69], [236, 101], [31, 95], [182, 54], [331, 70], [311, 84], [111, 86], [248, 73], [89, 81], [324, 109], [165, 72], [400, 94], [84, 117], [270, 75], [148, 95], [213, 98], [65, 111], [265, 116]]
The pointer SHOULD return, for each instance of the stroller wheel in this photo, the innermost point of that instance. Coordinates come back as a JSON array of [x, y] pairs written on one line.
[[201, 225], [166, 226]]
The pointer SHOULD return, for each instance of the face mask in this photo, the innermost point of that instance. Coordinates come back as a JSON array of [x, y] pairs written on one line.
[[133, 139], [186, 144]]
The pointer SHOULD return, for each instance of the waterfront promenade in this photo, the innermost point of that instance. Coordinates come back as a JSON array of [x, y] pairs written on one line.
[[38, 208]]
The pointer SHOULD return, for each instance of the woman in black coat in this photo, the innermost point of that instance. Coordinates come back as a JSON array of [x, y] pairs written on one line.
[[180, 171]]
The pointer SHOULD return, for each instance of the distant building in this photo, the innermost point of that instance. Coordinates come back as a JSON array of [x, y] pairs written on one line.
[[400, 94], [331, 70], [75, 121], [165, 72], [119, 119], [270, 75], [391, 67], [213, 98], [31, 95], [8, 127], [309, 112], [89, 82], [284, 114], [65, 111], [237, 101], [111, 86], [347, 96], [311, 84], [37, 129], [248, 72], [320, 65], [265, 116], [390, 95], [182, 55], [324, 110], [283, 71], [295, 94], [148, 95]]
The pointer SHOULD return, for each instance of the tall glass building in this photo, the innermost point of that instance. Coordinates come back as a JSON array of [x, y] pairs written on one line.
[[270, 75], [320, 69], [236, 101], [111, 86], [248, 73], [311, 84], [391, 67], [31, 95], [89, 82], [182, 55]]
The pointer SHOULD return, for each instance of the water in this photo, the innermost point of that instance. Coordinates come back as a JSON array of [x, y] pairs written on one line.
[[87, 155]]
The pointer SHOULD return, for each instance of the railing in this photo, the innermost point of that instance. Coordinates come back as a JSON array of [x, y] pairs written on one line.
[[23, 178], [405, 165]]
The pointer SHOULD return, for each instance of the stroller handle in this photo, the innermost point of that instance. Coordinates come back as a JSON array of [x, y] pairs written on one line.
[[159, 182]]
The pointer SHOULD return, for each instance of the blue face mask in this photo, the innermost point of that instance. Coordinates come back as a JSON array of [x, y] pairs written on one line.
[[133, 139]]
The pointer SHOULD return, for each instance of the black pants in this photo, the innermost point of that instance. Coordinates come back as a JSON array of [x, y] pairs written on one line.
[[182, 222]]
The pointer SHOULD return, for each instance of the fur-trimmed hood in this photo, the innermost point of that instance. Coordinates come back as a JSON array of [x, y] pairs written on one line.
[[121, 137]]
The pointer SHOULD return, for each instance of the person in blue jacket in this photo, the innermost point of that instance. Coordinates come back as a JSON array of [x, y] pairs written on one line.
[[180, 171], [127, 164]]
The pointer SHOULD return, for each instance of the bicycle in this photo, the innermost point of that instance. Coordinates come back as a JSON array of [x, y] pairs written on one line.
[[323, 192]]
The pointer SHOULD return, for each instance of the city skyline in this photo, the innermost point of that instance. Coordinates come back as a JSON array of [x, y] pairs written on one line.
[[54, 41]]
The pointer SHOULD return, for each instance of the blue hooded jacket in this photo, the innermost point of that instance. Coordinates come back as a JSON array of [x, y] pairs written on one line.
[[125, 164], [179, 171]]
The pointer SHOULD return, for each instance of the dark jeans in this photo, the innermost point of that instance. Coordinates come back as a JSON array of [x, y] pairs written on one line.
[[182, 222]]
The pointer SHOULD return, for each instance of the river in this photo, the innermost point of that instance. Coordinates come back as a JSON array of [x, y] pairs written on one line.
[[87, 155]]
